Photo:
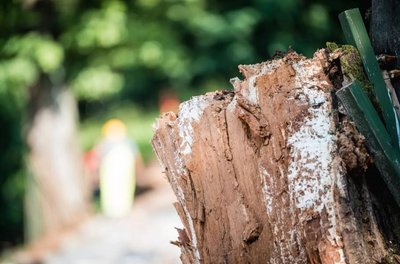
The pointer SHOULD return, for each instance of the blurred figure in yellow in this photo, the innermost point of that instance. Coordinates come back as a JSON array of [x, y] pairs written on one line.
[[115, 157]]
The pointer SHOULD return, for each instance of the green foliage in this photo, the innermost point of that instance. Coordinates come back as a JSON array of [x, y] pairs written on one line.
[[104, 27], [105, 46], [106, 82]]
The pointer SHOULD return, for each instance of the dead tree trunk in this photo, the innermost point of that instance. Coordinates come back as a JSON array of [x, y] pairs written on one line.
[[272, 172]]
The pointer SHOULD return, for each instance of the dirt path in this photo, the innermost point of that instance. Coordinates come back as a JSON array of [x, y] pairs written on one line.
[[141, 237]]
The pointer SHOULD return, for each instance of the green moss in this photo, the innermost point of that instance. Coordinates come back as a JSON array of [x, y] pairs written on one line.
[[332, 46], [352, 66]]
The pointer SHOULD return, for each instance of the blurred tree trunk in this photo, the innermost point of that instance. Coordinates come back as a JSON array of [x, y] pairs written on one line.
[[273, 173], [56, 192]]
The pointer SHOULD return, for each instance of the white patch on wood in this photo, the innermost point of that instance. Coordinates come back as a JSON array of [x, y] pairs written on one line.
[[251, 94], [311, 146], [342, 259], [232, 105], [189, 112], [310, 174], [179, 164], [267, 190]]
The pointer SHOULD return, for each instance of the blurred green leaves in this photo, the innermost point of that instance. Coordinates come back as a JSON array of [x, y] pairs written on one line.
[[17, 73], [151, 53], [103, 45], [96, 83], [104, 27], [25, 57], [317, 17], [46, 53]]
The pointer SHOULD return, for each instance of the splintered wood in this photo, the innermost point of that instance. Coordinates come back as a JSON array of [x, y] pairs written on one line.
[[257, 171]]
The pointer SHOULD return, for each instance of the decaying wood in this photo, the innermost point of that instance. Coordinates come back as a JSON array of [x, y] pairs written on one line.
[[262, 173]]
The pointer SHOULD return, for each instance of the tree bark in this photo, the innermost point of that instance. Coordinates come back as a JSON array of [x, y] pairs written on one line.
[[56, 192], [385, 31], [273, 172]]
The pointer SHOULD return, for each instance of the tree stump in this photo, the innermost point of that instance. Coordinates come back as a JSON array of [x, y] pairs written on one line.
[[273, 172]]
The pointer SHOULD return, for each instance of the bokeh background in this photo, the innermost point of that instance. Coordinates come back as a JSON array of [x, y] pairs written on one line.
[[122, 59]]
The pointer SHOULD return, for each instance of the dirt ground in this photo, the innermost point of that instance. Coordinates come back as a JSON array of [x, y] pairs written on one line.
[[141, 237]]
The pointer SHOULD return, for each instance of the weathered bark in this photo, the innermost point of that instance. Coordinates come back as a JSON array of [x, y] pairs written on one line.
[[56, 192], [272, 172], [384, 27], [385, 31]]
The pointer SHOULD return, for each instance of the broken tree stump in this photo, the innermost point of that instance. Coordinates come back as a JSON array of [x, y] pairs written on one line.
[[272, 172]]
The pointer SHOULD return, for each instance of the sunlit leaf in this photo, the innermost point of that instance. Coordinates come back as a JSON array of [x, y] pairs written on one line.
[[49, 55], [96, 83], [151, 53]]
